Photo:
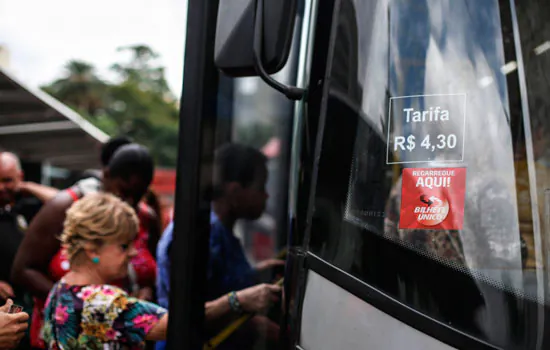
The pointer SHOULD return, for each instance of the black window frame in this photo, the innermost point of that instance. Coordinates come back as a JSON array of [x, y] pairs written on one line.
[[197, 142], [309, 188]]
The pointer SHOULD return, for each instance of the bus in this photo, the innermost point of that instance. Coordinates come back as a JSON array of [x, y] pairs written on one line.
[[411, 186]]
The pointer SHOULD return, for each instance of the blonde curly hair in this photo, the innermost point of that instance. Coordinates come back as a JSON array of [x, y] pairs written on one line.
[[97, 219]]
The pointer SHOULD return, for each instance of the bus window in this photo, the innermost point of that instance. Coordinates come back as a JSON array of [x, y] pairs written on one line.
[[535, 44], [440, 198], [251, 114]]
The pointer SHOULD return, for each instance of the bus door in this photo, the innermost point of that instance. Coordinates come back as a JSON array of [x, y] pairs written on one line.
[[418, 190], [424, 223], [218, 109]]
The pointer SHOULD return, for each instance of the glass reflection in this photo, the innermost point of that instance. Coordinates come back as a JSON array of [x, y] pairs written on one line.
[[428, 54], [430, 50]]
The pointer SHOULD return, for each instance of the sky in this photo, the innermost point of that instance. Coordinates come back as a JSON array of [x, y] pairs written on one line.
[[42, 35]]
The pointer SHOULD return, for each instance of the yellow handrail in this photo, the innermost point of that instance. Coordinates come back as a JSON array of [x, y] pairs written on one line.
[[231, 328]]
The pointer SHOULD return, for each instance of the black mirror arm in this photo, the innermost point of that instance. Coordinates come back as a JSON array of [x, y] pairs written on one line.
[[292, 92]]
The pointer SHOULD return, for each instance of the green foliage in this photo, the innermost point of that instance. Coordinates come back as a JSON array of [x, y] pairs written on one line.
[[138, 104], [80, 88]]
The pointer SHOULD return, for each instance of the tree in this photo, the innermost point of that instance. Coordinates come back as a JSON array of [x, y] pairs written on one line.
[[143, 105], [138, 104], [80, 88], [139, 70]]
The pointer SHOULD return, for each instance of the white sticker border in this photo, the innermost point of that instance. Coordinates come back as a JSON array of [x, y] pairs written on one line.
[[426, 161]]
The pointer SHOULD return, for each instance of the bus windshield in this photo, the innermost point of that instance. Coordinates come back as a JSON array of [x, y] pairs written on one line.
[[448, 106]]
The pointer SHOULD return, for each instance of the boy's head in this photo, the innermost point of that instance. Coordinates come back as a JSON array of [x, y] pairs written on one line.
[[240, 176], [110, 147], [129, 173]]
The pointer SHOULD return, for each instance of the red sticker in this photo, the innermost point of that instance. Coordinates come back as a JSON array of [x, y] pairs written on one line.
[[433, 198]]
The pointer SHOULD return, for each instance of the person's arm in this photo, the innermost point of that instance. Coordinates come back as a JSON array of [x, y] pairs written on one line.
[[39, 246], [42, 192], [216, 309], [254, 299], [160, 330]]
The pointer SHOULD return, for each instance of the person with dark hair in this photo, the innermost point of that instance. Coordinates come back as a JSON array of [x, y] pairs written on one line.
[[129, 173], [85, 309], [95, 313], [90, 181], [240, 175], [110, 147], [149, 219], [40, 261]]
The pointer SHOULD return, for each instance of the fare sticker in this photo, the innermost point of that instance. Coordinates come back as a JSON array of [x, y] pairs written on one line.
[[425, 128], [433, 198]]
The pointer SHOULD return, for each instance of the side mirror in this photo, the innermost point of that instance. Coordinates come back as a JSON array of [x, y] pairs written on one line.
[[253, 38]]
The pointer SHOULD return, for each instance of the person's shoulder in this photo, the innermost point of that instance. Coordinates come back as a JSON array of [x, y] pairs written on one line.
[[163, 247], [107, 297], [87, 185], [94, 294], [79, 189], [165, 240], [217, 231], [62, 201], [220, 239], [120, 302], [169, 230]]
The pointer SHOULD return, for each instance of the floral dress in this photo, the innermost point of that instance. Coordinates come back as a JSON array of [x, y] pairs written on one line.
[[143, 263], [97, 317]]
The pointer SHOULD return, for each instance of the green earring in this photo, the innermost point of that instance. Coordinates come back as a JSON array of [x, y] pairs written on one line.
[[95, 260]]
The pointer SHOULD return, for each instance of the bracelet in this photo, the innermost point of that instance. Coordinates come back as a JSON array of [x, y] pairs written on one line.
[[234, 302]]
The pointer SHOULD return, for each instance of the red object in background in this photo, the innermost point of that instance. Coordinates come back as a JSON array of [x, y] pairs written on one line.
[[164, 185], [433, 198], [262, 245], [272, 148], [164, 181]]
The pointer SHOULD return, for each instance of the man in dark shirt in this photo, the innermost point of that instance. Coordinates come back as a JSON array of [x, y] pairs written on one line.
[[240, 175], [16, 212]]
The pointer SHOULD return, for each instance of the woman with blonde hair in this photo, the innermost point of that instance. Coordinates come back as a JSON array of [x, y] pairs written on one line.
[[41, 261], [83, 310]]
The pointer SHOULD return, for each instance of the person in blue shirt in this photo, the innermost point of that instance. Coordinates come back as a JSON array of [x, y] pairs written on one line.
[[240, 175]]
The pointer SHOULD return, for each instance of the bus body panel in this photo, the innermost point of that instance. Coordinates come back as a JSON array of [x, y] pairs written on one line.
[[333, 318]]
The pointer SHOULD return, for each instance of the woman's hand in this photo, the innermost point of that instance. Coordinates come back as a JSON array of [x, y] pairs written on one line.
[[258, 298], [12, 326]]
